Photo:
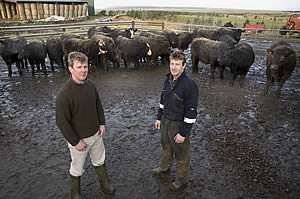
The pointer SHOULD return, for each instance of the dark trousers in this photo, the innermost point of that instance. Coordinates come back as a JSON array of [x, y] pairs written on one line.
[[168, 130]]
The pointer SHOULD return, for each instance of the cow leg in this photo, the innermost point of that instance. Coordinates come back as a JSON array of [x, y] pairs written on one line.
[[242, 79], [61, 62], [18, 65], [66, 61], [280, 84], [52, 64], [9, 70], [221, 69], [234, 75], [44, 67], [26, 63], [269, 81], [195, 63], [32, 70], [212, 72]]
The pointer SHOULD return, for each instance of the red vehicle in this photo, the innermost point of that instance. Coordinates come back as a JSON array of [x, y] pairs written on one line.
[[292, 23]]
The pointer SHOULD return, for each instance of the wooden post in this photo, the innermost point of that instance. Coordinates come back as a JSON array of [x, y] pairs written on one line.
[[132, 24], [162, 25]]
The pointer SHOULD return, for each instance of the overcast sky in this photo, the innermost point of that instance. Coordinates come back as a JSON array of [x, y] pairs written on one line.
[[239, 4]]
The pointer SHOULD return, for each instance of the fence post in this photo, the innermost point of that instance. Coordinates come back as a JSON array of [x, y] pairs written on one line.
[[132, 24], [162, 25], [277, 34]]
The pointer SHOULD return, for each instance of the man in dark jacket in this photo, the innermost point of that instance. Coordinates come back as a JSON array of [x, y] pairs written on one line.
[[176, 115], [80, 118]]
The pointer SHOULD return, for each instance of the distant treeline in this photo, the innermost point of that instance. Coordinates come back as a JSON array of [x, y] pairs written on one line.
[[272, 21]]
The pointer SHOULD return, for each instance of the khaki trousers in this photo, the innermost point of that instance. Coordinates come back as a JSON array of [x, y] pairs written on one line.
[[168, 130], [95, 149]]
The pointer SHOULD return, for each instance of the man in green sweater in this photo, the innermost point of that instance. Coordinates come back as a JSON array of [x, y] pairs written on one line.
[[80, 118]]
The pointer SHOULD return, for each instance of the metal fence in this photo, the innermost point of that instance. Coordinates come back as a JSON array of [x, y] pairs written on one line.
[[255, 33], [41, 31]]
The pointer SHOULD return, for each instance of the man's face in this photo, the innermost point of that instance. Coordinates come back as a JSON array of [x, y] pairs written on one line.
[[79, 71], [176, 67]]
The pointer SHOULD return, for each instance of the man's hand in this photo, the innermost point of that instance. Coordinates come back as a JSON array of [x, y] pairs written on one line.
[[101, 130], [179, 139], [81, 146], [157, 124]]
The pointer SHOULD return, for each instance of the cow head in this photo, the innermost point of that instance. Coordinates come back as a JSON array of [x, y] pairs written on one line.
[[101, 46]]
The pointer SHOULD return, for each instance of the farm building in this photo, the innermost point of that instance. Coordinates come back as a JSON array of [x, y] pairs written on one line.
[[41, 9]]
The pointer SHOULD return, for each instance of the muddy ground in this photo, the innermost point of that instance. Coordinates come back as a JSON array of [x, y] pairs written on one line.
[[243, 145]]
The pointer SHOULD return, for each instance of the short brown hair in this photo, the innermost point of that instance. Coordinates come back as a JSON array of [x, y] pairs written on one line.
[[79, 56], [178, 55]]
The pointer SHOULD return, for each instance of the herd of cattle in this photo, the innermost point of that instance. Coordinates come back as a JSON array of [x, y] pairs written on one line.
[[219, 48]]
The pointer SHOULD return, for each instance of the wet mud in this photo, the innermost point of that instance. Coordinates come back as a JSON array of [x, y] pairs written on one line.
[[244, 144]]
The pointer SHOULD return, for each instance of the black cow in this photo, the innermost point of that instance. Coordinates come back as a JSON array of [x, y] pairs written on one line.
[[112, 54], [281, 62], [55, 51], [132, 50], [36, 53], [184, 39], [91, 48], [159, 48], [9, 51], [209, 52], [238, 60]]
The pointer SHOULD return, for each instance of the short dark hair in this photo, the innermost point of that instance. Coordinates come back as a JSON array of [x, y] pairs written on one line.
[[178, 55], [79, 56]]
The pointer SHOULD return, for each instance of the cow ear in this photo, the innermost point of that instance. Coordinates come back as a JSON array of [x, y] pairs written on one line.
[[270, 51], [291, 52]]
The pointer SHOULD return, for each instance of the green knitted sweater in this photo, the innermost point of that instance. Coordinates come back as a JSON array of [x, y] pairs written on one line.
[[79, 112]]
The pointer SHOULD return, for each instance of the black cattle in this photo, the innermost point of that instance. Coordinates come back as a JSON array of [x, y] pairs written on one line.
[[36, 53], [159, 48], [90, 47], [9, 51], [209, 52], [112, 54], [55, 51], [132, 50], [234, 33], [281, 62], [228, 39], [184, 39], [238, 60], [206, 33], [169, 35], [113, 33], [229, 25], [152, 35]]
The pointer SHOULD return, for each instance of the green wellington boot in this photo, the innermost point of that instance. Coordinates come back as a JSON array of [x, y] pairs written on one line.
[[75, 187], [103, 179], [181, 175], [166, 161]]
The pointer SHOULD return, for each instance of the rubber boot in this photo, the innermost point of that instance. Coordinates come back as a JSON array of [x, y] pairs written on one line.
[[166, 161], [181, 175], [103, 179], [75, 187]]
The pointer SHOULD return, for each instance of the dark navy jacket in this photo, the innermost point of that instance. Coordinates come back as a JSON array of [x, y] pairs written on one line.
[[178, 102]]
